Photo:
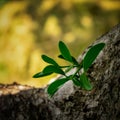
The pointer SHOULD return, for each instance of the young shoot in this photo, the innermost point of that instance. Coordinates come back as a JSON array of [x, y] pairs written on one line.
[[79, 79]]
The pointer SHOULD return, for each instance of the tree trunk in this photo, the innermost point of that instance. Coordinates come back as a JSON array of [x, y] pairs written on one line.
[[18, 102]]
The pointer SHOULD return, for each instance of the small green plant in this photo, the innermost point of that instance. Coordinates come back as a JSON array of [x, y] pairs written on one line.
[[79, 77]]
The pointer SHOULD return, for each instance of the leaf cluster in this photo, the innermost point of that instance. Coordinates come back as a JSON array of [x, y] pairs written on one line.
[[79, 79]]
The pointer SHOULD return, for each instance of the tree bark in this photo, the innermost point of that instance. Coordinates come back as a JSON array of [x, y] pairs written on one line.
[[18, 102]]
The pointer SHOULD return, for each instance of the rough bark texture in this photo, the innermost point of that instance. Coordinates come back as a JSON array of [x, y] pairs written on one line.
[[19, 102]]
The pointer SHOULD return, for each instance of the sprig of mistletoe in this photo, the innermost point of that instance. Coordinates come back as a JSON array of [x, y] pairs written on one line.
[[79, 78]]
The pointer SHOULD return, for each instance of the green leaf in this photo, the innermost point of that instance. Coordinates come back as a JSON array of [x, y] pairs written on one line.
[[53, 87], [91, 55], [41, 74], [85, 83], [65, 52], [60, 56], [73, 59], [76, 81], [49, 60], [53, 69]]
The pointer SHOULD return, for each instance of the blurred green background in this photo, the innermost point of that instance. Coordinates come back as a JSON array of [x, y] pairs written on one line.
[[30, 28]]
